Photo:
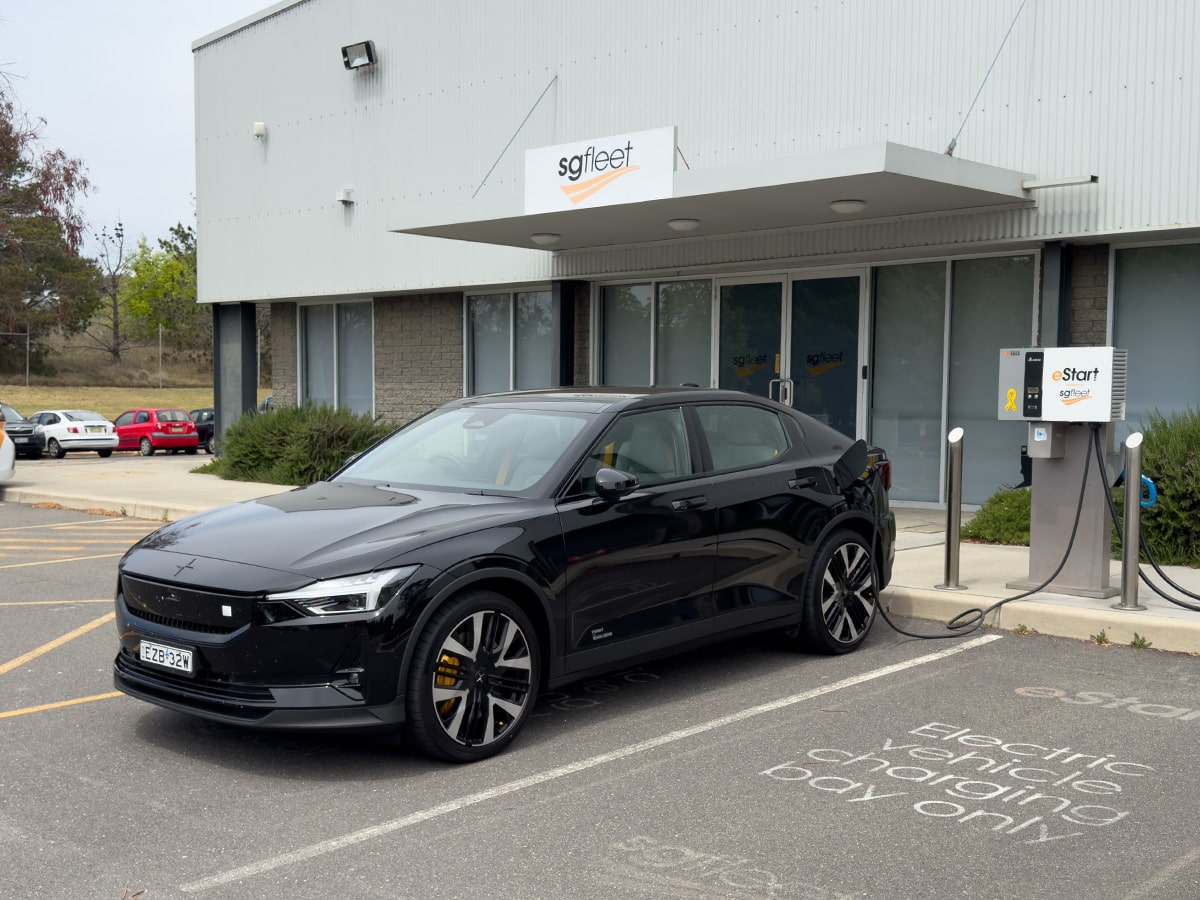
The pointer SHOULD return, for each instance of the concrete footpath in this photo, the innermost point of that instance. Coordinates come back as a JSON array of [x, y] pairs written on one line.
[[163, 488]]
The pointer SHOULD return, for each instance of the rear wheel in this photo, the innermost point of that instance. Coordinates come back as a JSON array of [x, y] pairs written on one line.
[[210, 446], [145, 447], [840, 595], [54, 448], [191, 451], [104, 454], [473, 679]]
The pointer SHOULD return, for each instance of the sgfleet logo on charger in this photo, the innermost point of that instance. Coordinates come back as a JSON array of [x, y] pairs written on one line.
[[1075, 384], [627, 168]]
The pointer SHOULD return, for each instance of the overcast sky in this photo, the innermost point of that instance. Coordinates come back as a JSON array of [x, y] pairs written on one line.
[[113, 80]]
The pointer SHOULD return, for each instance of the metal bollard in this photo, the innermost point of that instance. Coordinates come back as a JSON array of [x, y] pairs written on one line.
[[953, 509], [1133, 524]]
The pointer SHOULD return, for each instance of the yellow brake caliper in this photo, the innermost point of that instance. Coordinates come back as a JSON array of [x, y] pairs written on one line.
[[447, 678]]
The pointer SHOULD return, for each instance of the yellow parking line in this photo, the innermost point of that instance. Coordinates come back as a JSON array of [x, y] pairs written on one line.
[[59, 548], [4, 603], [10, 542], [50, 562], [57, 642], [43, 708]]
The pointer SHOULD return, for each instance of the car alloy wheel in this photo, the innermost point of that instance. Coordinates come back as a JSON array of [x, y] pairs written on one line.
[[54, 448], [840, 597], [474, 677], [210, 446], [145, 447]]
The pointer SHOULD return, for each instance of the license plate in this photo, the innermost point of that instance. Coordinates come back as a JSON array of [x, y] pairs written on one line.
[[21, 440], [95, 429], [167, 657]]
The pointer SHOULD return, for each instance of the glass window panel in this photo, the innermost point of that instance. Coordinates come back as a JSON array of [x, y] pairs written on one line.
[[651, 446], [906, 400], [535, 340], [740, 436], [684, 333], [625, 334], [991, 308], [488, 350], [1164, 371], [316, 349], [751, 330], [824, 363], [355, 357]]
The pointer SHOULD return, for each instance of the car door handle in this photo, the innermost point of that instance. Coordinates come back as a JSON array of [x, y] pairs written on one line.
[[807, 481], [688, 503]]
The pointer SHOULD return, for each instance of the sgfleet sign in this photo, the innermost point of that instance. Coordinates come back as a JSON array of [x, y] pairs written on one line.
[[624, 168]]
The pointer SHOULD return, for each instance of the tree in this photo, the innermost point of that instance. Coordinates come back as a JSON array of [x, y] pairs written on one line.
[[44, 284], [105, 331], [161, 290]]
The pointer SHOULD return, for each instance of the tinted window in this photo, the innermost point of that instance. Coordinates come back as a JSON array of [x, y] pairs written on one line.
[[124, 418], [141, 417], [173, 415], [652, 446], [741, 435]]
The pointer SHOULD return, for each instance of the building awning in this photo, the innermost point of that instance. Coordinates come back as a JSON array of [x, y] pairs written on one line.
[[890, 179]]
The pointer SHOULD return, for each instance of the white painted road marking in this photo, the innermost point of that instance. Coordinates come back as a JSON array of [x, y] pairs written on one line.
[[433, 812]]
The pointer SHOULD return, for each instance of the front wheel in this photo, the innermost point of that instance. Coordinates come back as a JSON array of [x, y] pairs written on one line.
[[145, 447], [210, 446], [104, 454], [473, 679], [840, 595], [54, 448]]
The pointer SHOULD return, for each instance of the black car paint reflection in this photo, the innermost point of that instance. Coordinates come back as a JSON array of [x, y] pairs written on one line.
[[599, 578]]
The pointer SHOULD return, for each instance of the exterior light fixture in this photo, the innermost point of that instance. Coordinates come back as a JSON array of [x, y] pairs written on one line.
[[683, 224], [846, 207], [345, 196], [260, 129], [545, 238], [355, 56]]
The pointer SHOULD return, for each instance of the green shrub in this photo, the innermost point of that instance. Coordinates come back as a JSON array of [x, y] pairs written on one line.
[[1003, 519], [295, 445], [1171, 459]]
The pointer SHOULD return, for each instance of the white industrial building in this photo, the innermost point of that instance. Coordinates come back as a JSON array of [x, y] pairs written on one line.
[[851, 206]]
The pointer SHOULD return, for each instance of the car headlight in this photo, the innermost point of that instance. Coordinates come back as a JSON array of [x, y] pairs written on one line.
[[352, 594]]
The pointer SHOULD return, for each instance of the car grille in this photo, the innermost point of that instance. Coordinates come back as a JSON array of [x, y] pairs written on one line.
[[186, 608], [205, 690]]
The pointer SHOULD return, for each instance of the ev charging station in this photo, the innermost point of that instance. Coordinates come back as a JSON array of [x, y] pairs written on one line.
[[1062, 392]]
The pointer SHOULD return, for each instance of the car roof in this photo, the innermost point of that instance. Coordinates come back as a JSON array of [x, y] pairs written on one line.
[[597, 398]]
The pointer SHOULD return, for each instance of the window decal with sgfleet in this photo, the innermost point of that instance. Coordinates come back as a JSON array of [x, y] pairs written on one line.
[[627, 168]]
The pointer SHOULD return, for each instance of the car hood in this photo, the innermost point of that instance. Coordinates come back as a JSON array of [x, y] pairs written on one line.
[[324, 530]]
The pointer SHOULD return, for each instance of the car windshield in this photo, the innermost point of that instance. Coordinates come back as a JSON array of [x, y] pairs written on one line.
[[10, 414], [83, 415], [173, 415], [482, 448]]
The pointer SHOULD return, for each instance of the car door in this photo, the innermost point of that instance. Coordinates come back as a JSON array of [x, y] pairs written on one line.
[[764, 489], [126, 433], [639, 569]]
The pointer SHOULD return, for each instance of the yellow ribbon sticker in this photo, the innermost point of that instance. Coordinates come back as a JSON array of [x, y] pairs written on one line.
[[1011, 405]]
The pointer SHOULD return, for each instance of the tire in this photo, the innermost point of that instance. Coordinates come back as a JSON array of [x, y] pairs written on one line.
[[191, 451], [840, 597], [210, 446], [463, 703], [104, 454], [54, 448], [145, 447]]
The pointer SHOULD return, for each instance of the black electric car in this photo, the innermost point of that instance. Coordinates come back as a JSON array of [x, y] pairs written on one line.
[[505, 543]]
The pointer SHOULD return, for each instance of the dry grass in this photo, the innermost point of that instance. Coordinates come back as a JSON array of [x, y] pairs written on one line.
[[110, 402]]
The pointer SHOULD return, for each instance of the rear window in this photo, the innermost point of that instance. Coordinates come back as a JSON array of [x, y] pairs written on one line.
[[83, 415], [173, 415]]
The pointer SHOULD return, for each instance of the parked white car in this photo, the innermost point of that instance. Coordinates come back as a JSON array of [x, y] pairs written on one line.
[[68, 430], [8, 454]]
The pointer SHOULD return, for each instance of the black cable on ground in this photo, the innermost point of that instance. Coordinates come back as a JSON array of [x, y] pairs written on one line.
[[970, 620], [1133, 494]]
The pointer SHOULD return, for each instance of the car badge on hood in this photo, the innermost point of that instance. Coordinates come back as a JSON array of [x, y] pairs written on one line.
[[185, 566]]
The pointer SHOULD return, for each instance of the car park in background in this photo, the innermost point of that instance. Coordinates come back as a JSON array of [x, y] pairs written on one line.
[[206, 421], [26, 439], [149, 428], [504, 543], [73, 430]]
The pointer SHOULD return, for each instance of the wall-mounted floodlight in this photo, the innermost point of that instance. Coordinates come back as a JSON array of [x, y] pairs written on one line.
[[260, 129], [355, 56]]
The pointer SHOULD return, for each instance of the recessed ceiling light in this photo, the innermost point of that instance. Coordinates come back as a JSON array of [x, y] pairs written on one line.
[[683, 224], [545, 238], [846, 207]]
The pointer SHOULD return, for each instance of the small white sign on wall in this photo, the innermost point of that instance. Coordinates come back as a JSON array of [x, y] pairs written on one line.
[[624, 168]]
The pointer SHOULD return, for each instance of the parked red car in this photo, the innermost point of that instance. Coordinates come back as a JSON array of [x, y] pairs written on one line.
[[147, 430]]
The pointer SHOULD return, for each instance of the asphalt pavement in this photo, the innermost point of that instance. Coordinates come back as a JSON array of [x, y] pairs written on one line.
[[164, 488]]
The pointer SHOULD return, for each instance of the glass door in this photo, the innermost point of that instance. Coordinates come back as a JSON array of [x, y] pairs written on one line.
[[750, 336], [823, 350]]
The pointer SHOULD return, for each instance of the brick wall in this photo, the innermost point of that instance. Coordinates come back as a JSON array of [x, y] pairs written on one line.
[[284, 371], [583, 324], [1089, 295], [418, 354]]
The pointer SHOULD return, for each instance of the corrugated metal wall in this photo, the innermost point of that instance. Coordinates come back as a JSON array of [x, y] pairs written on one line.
[[1105, 87]]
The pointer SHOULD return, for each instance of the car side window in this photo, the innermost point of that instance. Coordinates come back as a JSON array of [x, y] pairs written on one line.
[[124, 418], [651, 446], [49, 419], [740, 436], [141, 417]]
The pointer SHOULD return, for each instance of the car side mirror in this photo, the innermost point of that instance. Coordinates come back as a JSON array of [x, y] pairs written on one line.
[[613, 484]]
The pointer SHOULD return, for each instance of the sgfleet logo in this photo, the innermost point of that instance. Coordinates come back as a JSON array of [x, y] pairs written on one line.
[[610, 164], [1078, 383], [603, 171], [822, 362]]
